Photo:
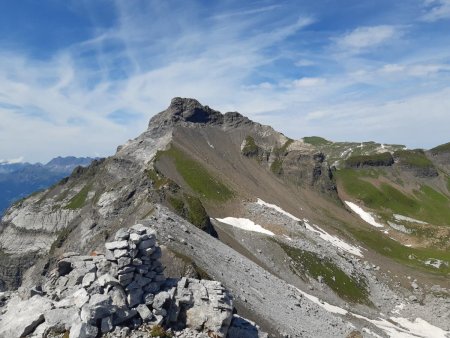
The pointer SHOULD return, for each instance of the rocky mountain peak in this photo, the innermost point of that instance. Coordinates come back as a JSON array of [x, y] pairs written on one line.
[[186, 110], [192, 111]]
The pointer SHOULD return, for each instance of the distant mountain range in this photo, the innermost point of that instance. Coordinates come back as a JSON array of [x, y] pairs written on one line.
[[18, 180]]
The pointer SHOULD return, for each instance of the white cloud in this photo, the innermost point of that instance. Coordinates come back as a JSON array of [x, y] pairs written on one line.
[[12, 160], [305, 63], [366, 37], [61, 106], [392, 68], [436, 10], [308, 82]]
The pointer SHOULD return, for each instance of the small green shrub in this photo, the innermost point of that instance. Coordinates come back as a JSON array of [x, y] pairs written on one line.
[[159, 331], [250, 148], [277, 166]]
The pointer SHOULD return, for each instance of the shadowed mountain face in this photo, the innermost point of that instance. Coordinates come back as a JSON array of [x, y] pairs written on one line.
[[18, 180], [343, 222]]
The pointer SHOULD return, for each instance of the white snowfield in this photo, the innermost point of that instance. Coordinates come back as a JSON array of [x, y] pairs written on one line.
[[407, 219], [245, 224], [395, 327], [364, 215], [277, 208], [337, 242]]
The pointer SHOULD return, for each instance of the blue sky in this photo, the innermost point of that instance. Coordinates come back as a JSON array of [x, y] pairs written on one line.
[[81, 77]]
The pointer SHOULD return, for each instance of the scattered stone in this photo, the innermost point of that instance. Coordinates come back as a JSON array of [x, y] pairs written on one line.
[[116, 245], [88, 279], [107, 324], [121, 234], [144, 312]]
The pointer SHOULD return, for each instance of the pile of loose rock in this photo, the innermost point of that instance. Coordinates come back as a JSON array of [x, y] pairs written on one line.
[[123, 290]]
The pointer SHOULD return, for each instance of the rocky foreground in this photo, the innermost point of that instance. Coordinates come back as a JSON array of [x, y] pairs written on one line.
[[122, 293]]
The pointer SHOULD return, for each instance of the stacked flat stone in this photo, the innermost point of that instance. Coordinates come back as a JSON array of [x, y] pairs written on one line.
[[119, 292], [135, 257]]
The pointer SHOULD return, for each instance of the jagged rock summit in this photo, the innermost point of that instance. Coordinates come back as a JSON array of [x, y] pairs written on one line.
[[192, 111], [122, 293]]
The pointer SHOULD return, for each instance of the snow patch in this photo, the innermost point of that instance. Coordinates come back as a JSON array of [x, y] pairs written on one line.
[[421, 328], [364, 214], [346, 152], [399, 227], [277, 208], [398, 327], [245, 224], [211, 146], [337, 242], [407, 219], [436, 263], [322, 304]]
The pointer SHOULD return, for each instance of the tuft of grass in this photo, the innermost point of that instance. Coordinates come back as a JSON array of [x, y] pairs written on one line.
[[443, 148], [79, 199], [157, 179], [349, 288], [177, 204], [197, 177], [196, 212], [277, 166], [250, 148], [316, 140], [375, 160], [283, 150], [159, 331], [191, 208]]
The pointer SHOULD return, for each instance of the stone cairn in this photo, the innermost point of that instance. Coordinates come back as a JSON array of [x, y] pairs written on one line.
[[126, 288]]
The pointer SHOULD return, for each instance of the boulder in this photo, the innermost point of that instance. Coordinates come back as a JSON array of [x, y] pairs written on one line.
[[22, 317]]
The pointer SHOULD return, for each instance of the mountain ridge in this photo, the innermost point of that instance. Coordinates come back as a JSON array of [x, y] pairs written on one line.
[[209, 169]]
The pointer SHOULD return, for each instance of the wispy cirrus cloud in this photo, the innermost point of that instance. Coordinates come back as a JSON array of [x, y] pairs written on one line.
[[364, 38], [285, 64], [436, 10]]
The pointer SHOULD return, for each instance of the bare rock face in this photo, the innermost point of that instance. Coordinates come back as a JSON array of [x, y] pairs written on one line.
[[124, 289], [187, 110]]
